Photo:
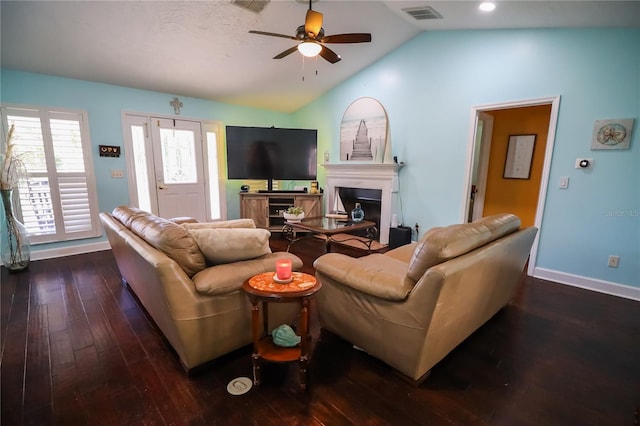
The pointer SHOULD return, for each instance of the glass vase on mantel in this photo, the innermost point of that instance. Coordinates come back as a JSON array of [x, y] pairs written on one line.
[[357, 214], [15, 251]]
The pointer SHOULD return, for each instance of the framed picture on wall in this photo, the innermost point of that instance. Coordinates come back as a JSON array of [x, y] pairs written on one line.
[[519, 156]]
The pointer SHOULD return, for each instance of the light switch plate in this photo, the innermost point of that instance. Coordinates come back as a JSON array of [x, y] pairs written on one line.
[[564, 182]]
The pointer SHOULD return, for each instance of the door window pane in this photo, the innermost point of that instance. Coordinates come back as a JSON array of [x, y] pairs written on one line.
[[140, 167], [178, 156]]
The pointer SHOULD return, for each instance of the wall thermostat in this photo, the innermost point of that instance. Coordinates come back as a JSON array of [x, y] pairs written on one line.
[[583, 163]]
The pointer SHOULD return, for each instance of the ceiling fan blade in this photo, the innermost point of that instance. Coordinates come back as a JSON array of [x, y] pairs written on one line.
[[347, 38], [313, 22], [287, 52], [272, 34], [329, 55]]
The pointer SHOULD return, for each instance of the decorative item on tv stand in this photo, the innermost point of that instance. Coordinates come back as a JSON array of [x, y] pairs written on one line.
[[14, 242], [357, 214], [294, 214]]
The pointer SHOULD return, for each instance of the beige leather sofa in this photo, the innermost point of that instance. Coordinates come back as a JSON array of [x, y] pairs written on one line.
[[199, 307], [411, 306]]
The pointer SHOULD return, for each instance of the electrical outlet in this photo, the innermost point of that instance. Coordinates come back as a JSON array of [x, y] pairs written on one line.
[[117, 173], [613, 261]]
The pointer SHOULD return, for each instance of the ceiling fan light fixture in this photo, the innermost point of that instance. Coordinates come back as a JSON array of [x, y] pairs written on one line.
[[309, 48], [487, 6]]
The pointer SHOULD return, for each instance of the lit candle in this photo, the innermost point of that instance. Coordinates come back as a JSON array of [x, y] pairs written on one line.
[[283, 269]]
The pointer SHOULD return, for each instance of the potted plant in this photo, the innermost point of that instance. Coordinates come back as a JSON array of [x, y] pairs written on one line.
[[294, 214], [14, 243]]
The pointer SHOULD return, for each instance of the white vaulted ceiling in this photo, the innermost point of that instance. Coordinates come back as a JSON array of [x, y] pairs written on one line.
[[203, 48]]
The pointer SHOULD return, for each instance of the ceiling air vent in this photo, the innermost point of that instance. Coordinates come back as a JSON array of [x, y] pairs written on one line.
[[254, 6], [422, 13]]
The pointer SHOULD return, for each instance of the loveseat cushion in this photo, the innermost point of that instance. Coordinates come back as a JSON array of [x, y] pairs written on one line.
[[442, 244], [375, 274], [227, 245], [167, 236], [500, 224]]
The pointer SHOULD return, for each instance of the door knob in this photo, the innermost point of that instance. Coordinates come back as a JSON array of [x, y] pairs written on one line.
[[161, 187]]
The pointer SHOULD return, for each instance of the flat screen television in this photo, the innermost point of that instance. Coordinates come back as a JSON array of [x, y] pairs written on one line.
[[271, 153]]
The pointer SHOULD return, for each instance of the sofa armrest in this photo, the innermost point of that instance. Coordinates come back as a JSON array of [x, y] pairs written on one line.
[[183, 219], [376, 274]]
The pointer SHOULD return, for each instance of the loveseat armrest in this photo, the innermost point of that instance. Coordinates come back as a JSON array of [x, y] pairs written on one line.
[[376, 274], [403, 253]]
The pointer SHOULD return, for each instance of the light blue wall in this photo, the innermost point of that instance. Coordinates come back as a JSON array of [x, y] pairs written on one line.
[[429, 86], [105, 104]]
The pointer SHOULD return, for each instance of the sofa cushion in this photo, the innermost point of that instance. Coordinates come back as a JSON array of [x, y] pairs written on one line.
[[127, 215], [227, 278], [227, 245], [168, 237], [233, 223]]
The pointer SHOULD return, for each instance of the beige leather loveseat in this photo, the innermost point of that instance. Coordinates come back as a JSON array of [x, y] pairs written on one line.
[[413, 305], [194, 293]]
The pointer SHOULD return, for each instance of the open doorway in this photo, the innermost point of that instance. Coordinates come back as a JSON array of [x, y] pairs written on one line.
[[489, 189]]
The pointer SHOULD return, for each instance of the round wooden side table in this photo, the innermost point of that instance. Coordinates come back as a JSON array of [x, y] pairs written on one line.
[[263, 289]]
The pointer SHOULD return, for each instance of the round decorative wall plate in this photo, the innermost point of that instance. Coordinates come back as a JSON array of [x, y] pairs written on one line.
[[612, 133]]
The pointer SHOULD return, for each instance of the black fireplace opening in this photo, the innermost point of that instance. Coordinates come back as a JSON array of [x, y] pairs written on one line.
[[370, 201]]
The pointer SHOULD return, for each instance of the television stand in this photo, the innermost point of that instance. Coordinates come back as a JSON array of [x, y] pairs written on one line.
[[266, 208]]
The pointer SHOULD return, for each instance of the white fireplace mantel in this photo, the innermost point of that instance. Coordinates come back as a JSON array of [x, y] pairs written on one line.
[[383, 177]]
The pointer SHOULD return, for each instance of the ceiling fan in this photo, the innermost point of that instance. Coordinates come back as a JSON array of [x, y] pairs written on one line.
[[311, 37]]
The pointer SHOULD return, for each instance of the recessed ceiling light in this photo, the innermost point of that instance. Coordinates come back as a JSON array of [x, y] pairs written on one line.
[[487, 6]]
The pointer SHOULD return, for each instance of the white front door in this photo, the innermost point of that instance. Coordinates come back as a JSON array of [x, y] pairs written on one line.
[[179, 176]]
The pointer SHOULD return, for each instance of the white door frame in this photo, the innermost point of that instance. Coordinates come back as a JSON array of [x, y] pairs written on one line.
[[546, 168], [206, 126], [483, 163]]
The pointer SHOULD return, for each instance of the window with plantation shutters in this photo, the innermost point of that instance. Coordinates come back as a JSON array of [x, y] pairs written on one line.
[[57, 201]]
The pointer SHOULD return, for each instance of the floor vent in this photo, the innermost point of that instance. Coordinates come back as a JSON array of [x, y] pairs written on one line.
[[254, 6], [422, 13]]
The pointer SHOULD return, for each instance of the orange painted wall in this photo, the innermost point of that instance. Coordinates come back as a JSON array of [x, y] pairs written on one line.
[[517, 196]]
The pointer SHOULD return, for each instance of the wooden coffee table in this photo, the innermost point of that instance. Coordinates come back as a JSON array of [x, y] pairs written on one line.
[[263, 289], [329, 228]]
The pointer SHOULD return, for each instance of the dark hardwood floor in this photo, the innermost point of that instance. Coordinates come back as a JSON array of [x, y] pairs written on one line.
[[77, 349]]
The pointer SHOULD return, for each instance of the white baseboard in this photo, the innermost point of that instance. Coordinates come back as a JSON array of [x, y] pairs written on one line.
[[600, 286], [69, 251]]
